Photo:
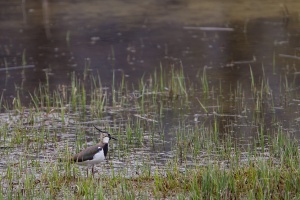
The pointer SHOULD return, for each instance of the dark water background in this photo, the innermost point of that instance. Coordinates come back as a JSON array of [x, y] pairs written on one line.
[[60, 37]]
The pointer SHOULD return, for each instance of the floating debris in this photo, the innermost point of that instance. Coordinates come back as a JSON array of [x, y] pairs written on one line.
[[201, 28], [289, 56], [17, 67]]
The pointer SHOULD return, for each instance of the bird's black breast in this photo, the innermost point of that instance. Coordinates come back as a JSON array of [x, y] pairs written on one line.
[[105, 149]]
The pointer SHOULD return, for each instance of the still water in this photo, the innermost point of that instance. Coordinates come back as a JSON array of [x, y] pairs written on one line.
[[57, 38]]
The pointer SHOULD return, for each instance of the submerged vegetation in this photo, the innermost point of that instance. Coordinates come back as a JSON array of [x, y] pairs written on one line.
[[178, 139]]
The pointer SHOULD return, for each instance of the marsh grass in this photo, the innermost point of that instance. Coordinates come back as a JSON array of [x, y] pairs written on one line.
[[196, 158]]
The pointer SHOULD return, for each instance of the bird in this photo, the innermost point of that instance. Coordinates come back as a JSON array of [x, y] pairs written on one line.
[[94, 154]]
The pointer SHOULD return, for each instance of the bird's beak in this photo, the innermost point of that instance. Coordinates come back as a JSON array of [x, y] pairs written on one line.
[[113, 138]]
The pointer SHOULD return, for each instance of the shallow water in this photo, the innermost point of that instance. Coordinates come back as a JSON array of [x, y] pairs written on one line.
[[51, 40]]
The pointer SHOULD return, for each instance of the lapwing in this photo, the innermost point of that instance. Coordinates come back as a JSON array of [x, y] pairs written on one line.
[[94, 154]]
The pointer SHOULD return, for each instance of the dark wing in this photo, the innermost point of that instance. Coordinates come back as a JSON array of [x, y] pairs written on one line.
[[86, 154]]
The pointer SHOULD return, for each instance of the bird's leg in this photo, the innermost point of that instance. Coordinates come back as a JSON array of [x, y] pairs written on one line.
[[87, 172], [93, 170]]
